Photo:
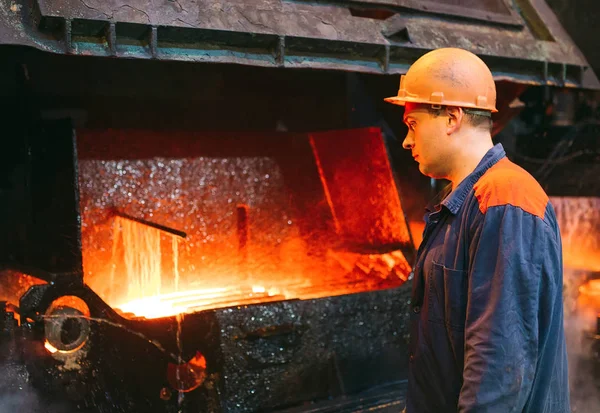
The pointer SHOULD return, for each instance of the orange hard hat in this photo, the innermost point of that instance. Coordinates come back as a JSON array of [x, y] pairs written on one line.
[[449, 77]]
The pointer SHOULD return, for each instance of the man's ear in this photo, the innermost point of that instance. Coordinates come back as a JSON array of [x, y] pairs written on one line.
[[455, 118]]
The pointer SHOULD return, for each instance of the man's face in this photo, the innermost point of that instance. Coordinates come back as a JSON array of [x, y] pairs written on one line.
[[427, 140]]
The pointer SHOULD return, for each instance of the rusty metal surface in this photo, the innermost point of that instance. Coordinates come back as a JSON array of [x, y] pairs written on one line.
[[498, 11], [521, 40]]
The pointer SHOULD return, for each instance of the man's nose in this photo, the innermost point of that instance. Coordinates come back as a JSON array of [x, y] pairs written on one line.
[[408, 142]]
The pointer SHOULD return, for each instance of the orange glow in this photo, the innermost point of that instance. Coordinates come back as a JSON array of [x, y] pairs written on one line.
[[256, 228], [188, 376], [188, 301], [13, 284], [591, 288], [579, 222], [51, 349], [578, 255], [588, 303], [165, 305], [416, 230], [149, 284]]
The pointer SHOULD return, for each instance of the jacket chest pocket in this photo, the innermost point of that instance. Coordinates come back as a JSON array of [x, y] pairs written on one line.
[[447, 296]]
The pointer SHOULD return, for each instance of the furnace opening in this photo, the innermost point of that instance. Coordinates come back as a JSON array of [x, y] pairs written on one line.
[[179, 222]]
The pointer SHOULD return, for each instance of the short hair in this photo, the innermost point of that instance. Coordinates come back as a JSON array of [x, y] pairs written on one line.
[[476, 117]]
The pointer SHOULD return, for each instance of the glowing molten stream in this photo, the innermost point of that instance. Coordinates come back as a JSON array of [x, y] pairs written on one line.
[[145, 280], [165, 305]]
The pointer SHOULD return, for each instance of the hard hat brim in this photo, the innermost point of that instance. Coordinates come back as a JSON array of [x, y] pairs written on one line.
[[395, 100]]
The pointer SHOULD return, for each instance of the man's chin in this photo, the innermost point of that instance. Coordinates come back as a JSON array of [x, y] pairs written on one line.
[[428, 172], [423, 169]]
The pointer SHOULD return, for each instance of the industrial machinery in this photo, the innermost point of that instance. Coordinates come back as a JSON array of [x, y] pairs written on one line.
[[204, 205]]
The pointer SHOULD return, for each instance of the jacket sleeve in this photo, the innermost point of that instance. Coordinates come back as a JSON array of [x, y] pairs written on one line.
[[507, 251]]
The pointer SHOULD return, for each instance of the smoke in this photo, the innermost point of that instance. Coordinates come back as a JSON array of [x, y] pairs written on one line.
[[25, 399], [585, 394], [579, 223], [17, 393]]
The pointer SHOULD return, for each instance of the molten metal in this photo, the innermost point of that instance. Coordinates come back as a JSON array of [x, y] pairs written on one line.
[[148, 275], [196, 300], [262, 222]]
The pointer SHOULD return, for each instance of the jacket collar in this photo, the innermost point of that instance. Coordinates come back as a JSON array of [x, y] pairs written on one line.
[[455, 199]]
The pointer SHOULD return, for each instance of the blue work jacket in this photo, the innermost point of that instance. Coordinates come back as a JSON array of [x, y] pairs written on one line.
[[487, 331]]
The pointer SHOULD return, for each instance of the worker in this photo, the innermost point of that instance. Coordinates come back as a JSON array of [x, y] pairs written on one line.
[[486, 310]]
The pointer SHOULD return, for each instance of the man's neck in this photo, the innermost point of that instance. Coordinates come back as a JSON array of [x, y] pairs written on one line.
[[469, 156]]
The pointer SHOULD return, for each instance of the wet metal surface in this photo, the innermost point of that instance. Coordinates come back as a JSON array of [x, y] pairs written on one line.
[[335, 346], [258, 358]]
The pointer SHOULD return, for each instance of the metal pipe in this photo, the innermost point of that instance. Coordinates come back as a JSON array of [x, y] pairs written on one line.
[[154, 225], [243, 230]]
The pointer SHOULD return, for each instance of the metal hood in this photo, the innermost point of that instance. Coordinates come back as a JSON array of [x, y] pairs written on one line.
[[521, 40]]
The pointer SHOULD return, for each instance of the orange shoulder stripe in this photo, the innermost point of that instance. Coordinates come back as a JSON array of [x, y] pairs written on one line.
[[506, 183]]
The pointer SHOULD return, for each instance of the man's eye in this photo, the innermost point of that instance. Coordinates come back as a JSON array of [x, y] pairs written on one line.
[[411, 126]]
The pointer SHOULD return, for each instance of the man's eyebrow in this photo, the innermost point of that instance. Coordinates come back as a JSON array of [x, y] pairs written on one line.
[[406, 118]]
